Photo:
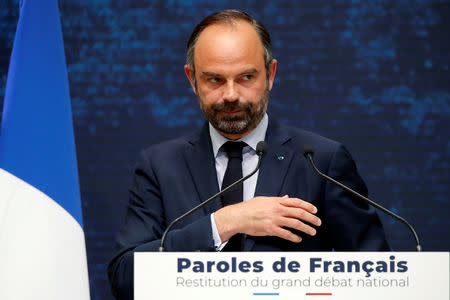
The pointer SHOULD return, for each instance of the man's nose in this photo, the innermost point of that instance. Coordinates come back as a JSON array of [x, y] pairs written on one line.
[[230, 93]]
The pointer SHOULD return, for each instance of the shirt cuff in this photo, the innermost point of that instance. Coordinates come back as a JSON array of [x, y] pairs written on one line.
[[218, 245]]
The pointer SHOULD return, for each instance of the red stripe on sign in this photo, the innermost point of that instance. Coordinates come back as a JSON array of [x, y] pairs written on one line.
[[319, 294]]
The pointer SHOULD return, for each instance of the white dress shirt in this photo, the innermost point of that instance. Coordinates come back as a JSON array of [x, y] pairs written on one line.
[[249, 162]]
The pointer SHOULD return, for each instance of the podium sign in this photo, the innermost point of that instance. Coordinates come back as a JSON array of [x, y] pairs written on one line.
[[291, 275]]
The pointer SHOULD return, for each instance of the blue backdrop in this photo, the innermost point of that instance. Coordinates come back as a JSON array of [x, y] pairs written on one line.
[[372, 74]]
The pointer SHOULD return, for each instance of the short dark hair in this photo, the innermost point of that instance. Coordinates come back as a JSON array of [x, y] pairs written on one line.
[[229, 16]]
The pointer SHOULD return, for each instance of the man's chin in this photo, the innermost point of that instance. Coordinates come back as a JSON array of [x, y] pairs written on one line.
[[231, 120], [232, 127]]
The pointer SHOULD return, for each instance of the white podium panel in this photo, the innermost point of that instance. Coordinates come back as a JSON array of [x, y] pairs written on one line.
[[291, 275]]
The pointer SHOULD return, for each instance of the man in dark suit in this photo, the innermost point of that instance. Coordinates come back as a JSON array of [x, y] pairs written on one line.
[[284, 207]]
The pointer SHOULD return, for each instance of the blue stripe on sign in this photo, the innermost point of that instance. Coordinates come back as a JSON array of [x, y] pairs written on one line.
[[266, 294]]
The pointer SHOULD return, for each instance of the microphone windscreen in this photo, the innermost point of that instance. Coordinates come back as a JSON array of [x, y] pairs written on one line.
[[307, 150], [261, 148]]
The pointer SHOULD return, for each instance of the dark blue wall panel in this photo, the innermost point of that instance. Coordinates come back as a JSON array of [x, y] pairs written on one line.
[[372, 74]]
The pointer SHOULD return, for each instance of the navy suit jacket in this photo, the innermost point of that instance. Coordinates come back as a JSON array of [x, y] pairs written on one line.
[[173, 177]]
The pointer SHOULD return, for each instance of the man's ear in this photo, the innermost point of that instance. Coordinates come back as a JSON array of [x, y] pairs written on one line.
[[272, 71], [190, 75]]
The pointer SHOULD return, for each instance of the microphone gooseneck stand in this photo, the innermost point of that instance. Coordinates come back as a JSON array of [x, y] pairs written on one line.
[[308, 153]]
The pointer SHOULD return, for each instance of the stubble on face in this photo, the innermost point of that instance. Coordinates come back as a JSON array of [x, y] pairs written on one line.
[[250, 116]]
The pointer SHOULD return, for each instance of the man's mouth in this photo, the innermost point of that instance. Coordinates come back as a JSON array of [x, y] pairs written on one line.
[[232, 112]]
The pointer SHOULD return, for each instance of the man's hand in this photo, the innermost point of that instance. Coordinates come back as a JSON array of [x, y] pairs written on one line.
[[266, 216]]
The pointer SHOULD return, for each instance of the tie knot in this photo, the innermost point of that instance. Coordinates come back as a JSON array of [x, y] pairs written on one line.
[[234, 149]]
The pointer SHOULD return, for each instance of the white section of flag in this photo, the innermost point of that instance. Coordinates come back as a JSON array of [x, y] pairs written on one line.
[[42, 247]]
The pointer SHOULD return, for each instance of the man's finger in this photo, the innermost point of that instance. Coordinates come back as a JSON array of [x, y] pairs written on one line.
[[301, 214], [298, 225], [296, 202], [287, 235]]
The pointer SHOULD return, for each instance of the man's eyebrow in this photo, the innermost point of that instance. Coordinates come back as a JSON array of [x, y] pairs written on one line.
[[249, 71], [212, 74]]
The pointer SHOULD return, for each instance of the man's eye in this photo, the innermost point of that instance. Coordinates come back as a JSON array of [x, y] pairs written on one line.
[[247, 77], [214, 79]]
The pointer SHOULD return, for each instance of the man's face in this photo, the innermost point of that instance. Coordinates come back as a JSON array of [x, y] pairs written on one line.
[[230, 78]]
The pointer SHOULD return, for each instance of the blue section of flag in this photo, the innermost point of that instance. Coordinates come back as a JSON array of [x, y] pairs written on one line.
[[36, 135]]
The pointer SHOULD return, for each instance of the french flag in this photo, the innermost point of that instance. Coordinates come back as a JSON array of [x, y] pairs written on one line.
[[42, 244]]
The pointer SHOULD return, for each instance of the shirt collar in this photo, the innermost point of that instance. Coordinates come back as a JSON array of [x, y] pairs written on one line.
[[256, 135]]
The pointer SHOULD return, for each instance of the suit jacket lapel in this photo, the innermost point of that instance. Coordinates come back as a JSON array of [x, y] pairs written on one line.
[[274, 166], [201, 164], [276, 162]]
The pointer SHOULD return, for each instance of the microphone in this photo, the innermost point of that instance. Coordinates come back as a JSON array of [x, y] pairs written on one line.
[[261, 149], [308, 153]]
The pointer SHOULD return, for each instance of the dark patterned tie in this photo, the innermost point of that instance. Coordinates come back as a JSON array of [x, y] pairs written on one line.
[[235, 195]]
